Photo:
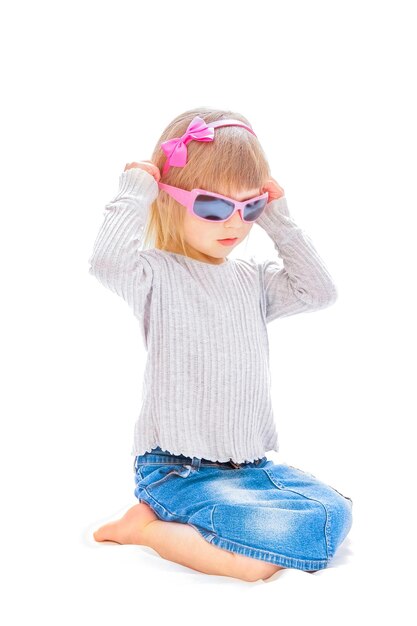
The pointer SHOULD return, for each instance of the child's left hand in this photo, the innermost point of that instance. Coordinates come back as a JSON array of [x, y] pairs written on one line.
[[273, 188]]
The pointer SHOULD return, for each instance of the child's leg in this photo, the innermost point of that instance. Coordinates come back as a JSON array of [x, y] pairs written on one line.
[[181, 543]]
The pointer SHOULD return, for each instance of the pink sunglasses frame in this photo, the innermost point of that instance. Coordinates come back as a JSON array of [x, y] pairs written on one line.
[[186, 199]]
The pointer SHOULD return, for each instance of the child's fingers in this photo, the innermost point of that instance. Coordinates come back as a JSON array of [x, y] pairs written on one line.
[[148, 166], [274, 190]]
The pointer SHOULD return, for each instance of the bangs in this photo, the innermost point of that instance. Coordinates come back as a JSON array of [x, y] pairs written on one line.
[[229, 165]]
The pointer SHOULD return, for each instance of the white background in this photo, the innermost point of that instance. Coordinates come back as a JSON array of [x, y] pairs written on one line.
[[329, 88]]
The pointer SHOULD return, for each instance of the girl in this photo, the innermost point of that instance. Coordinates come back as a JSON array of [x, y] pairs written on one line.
[[209, 498]]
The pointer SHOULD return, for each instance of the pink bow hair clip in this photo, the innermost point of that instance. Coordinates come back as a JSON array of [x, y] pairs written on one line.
[[176, 148]]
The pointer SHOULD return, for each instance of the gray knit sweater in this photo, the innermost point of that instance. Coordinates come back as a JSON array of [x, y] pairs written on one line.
[[206, 387]]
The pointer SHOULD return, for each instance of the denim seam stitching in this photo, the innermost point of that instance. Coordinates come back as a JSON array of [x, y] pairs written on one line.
[[262, 551], [327, 522], [160, 505], [211, 518]]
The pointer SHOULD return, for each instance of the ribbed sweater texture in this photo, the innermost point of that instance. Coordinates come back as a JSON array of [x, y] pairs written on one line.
[[206, 385]]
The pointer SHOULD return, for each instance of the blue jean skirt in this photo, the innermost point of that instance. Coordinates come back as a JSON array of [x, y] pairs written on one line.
[[273, 512]]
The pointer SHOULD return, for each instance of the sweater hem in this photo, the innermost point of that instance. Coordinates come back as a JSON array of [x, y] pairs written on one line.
[[201, 455]]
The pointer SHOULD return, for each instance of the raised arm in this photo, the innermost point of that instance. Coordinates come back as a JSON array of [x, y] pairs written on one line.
[[116, 260], [304, 283]]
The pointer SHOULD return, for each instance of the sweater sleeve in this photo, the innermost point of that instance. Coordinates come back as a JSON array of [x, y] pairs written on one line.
[[303, 284], [116, 260]]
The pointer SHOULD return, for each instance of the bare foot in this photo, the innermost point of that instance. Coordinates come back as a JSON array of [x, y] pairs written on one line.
[[129, 528]]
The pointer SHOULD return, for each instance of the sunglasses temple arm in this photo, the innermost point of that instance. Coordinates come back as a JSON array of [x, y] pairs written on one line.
[[180, 195]]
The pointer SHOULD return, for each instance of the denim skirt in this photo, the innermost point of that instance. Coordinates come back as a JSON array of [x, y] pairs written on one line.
[[272, 512]]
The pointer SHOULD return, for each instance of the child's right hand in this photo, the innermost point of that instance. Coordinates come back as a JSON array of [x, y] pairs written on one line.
[[148, 166]]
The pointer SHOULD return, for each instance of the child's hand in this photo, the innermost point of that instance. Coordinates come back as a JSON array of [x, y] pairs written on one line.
[[148, 166], [274, 190]]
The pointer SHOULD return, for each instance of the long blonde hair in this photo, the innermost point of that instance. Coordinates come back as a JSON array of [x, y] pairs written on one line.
[[233, 161]]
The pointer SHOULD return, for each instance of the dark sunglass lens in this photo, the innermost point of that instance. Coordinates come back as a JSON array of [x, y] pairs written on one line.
[[254, 209], [211, 208]]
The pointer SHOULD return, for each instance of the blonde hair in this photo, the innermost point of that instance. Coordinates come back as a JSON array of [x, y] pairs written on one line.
[[232, 162]]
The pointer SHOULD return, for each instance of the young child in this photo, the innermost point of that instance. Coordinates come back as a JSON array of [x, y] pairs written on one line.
[[209, 498]]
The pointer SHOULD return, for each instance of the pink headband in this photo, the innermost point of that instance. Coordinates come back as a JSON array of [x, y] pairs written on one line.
[[176, 148]]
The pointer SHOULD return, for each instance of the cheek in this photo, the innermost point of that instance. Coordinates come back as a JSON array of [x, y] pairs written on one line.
[[195, 228]]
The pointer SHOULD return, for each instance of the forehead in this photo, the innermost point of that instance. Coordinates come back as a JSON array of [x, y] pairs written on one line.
[[242, 194]]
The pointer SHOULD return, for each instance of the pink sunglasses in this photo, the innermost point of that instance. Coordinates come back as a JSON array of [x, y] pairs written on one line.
[[214, 207]]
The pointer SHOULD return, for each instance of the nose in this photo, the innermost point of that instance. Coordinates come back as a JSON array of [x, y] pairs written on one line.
[[235, 218]]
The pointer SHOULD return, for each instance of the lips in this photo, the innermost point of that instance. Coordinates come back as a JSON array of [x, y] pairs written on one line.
[[228, 242]]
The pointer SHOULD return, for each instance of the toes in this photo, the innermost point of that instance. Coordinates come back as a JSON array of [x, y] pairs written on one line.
[[105, 533], [98, 536]]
